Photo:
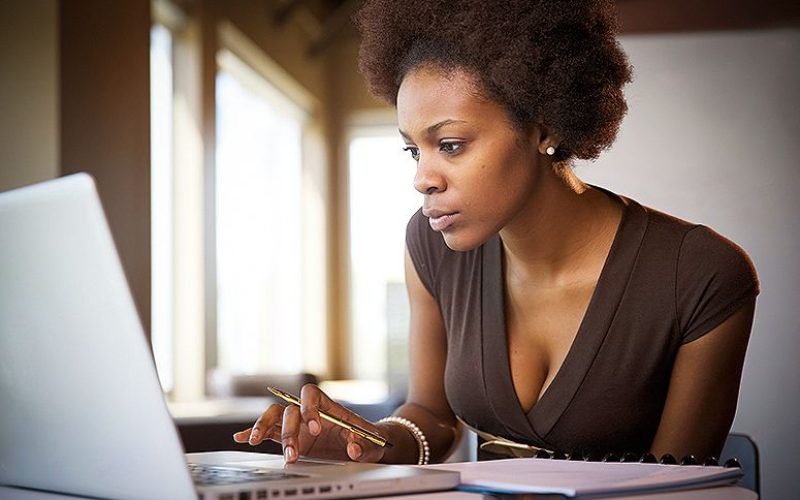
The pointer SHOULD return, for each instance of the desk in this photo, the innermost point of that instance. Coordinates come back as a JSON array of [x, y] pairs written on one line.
[[723, 493], [224, 410], [720, 493], [214, 421], [208, 425]]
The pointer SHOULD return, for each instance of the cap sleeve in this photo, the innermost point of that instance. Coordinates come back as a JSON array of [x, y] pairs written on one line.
[[426, 249], [715, 277]]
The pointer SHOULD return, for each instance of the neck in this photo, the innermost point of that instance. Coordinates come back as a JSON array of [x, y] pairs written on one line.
[[555, 239]]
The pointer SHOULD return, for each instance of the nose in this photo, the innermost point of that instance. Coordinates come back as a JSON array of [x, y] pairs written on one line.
[[428, 179]]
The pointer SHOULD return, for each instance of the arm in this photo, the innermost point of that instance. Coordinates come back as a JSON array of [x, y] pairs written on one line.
[[426, 404], [703, 389]]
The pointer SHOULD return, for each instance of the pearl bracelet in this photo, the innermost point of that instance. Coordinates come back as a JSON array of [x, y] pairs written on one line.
[[419, 437]]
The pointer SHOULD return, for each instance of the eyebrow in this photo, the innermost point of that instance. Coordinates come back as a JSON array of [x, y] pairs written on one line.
[[436, 126]]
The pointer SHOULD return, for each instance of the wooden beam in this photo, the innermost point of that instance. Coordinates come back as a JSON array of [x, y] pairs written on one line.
[[334, 26], [285, 10]]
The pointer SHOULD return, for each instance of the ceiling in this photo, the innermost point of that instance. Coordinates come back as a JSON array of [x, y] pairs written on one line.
[[331, 20]]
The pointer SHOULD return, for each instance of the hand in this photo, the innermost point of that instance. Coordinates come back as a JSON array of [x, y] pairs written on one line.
[[301, 431]]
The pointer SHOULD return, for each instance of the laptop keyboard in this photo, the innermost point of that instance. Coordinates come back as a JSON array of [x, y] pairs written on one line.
[[206, 475]]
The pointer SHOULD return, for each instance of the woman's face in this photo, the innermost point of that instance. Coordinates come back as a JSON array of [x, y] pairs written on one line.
[[475, 169]]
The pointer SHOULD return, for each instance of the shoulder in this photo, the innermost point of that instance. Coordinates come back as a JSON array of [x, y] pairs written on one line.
[[697, 241], [710, 276], [702, 247], [714, 278], [437, 265], [697, 247], [417, 228], [426, 248], [425, 245]]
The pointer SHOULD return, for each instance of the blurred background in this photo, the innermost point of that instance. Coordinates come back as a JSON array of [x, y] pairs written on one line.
[[258, 195]]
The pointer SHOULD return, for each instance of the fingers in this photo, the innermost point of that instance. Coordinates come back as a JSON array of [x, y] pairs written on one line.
[[292, 424], [290, 431], [242, 436], [361, 450], [313, 400], [310, 398], [354, 450], [267, 426]]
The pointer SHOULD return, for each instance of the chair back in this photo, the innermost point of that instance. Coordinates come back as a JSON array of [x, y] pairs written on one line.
[[743, 448]]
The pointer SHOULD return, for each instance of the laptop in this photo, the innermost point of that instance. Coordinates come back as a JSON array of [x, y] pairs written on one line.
[[81, 408]]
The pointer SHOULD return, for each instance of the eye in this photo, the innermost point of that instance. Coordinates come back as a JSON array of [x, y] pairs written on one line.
[[414, 152], [451, 147]]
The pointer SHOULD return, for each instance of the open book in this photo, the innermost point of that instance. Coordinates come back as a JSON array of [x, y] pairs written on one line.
[[586, 479]]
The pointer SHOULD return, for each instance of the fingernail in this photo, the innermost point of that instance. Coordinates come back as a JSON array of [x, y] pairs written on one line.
[[288, 453], [354, 451], [313, 427]]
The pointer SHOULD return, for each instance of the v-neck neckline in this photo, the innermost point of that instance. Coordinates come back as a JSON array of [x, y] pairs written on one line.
[[599, 314]]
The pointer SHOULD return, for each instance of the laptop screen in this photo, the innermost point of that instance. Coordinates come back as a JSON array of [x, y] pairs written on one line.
[[82, 409]]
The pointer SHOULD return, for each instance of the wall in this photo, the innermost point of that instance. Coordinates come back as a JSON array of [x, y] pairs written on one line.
[[104, 52], [70, 71], [711, 136], [28, 92]]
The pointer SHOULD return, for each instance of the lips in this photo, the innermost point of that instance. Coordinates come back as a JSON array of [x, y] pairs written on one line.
[[440, 220]]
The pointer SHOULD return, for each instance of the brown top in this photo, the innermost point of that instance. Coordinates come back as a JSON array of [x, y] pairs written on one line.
[[665, 282]]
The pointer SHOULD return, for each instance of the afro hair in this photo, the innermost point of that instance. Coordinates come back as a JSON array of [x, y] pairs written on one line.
[[553, 63]]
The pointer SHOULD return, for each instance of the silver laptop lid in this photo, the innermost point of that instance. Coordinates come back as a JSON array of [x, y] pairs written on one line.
[[81, 409]]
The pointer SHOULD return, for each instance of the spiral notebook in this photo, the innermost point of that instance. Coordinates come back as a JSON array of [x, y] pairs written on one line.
[[585, 479]]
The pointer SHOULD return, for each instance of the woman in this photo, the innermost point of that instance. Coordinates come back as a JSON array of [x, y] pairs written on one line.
[[545, 312]]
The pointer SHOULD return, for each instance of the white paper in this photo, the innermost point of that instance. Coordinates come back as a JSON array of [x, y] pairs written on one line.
[[572, 478]]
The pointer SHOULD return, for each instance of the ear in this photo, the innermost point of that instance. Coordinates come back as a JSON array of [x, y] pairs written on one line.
[[543, 140]]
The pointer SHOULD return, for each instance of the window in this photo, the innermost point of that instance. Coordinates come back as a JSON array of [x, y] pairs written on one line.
[[238, 253], [161, 140], [258, 223], [382, 199]]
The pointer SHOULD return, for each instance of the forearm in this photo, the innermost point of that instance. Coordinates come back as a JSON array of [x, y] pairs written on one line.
[[440, 432]]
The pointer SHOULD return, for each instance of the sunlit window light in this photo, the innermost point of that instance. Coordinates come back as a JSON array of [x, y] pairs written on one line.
[[258, 225], [382, 199], [161, 202]]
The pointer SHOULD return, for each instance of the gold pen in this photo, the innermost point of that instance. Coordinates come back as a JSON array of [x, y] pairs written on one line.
[[369, 436]]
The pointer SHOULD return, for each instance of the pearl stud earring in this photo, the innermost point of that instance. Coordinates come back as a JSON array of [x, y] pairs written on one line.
[[551, 150]]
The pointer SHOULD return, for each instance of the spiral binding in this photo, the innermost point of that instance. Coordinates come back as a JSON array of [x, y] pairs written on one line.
[[645, 458]]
